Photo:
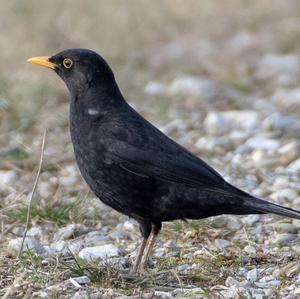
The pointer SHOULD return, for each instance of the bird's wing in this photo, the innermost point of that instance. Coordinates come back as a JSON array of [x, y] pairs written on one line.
[[179, 167]]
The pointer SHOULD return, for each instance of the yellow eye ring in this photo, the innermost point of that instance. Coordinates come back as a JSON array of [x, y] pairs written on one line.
[[67, 63]]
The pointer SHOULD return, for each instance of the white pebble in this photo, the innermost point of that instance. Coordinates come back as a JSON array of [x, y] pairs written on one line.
[[99, 252]]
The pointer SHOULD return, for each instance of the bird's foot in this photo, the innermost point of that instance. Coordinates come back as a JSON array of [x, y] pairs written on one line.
[[142, 269], [138, 271]]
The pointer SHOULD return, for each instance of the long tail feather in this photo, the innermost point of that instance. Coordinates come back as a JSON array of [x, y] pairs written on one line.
[[260, 205]]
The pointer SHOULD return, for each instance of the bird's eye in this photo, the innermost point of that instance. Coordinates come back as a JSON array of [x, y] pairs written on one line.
[[67, 63]]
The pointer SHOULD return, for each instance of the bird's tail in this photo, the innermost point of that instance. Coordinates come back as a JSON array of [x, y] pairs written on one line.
[[263, 206]]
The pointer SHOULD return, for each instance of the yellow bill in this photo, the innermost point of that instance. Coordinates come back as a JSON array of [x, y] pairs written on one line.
[[43, 61]]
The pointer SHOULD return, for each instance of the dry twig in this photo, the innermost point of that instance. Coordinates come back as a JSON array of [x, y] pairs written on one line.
[[33, 192]]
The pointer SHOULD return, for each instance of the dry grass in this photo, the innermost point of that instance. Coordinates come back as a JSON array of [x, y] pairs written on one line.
[[31, 274]]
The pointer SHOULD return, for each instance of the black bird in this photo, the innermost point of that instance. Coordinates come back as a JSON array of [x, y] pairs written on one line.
[[131, 165]]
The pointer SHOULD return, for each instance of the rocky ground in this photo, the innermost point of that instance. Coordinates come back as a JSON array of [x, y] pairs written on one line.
[[232, 97]]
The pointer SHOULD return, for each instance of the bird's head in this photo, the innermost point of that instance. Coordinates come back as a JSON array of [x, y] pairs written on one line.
[[80, 69]]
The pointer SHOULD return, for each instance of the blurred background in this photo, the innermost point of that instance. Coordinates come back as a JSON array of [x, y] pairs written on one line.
[[143, 42], [220, 77]]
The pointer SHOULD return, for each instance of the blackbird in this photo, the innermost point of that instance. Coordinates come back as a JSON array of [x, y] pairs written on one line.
[[131, 165]]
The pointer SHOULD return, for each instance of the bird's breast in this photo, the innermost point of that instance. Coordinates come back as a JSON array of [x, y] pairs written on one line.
[[114, 185]]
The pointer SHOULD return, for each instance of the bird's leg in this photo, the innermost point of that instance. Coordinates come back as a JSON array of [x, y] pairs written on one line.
[[140, 255], [154, 233], [148, 253], [145, 228]]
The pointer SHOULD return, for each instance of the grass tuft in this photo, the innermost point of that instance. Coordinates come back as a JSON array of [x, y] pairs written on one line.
[[16, 154], [58, 214]]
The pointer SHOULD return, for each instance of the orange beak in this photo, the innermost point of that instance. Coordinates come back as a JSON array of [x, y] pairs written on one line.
[[43, 61]]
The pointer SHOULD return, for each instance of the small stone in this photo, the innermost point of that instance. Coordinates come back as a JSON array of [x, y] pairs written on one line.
[[213, 144], [287, 98], [251, 219], [54, 287], [276, 121], [120, 262], [75, 247], [284, 239], [238, 138], [35, 231], [220, 122], [263, 143], [230, 281], [297, 291], [277, 63], [285, 228], [243, 271], [128, 225], [49, 251], [214, 123], [289, 152], [242, 41], [7, 177], [188, 292], [57, 248], [264, 159], [82, 280], [117, 234], [283, 68], [68, 176], [242, 119], [45, 262], [221, 243], [268, 292], [231, 292], [95, 237], [291, 287], [281, 183], [267, 282], [59, 245], [80, 295], [99, 252], [244, 283], [256, 293], [193, 86], [155, 88], [131, 248], [29, 244], [70, 231], [282, 195], [294, 166], [233, 223], [200, 252], [250, 250], [171, 244], [162, 295], [68, 181], [253, 275], [184, 267], [40, 294], [159, 252], [257, 231]]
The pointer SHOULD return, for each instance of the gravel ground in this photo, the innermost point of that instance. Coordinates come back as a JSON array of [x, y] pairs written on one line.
[[231, 95]]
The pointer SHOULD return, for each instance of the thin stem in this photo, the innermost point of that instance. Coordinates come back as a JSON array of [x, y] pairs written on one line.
[[33, 192]]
